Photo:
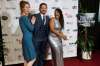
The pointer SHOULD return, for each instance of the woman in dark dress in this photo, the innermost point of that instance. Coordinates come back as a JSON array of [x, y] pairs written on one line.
[[27, 27]]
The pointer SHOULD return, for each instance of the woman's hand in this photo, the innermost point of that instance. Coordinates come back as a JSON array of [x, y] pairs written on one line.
[[62, 36], [33, 19]]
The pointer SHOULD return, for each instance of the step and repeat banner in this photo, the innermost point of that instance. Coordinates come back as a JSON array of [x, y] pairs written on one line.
[[11, 32], [9, 10]]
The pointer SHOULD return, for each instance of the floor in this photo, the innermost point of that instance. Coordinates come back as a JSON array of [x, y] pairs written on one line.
[[77, 61]]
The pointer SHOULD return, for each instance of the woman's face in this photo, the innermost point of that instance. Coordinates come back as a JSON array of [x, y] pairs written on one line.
[[26, 9], [57, 15]]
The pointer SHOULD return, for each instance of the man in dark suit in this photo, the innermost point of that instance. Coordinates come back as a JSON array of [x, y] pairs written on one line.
[[40, 34]]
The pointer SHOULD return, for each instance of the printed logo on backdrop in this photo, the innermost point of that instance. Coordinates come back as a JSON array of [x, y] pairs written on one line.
[[11, 32]]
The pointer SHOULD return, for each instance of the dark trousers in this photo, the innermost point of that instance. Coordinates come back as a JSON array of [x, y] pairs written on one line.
[[41, 48]]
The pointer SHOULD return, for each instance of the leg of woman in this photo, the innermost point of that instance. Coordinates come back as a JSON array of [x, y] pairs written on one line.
[[57, 52], [57, 55], [25, 63], [29, 54], [30, 63]]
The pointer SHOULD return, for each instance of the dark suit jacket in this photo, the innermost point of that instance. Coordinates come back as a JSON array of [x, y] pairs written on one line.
[[41, 31]]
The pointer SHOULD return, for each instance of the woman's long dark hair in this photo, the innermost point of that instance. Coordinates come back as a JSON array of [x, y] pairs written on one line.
[[61, 19]]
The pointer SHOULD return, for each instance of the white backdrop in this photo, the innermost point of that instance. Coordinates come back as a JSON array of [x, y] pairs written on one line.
[[13, 35]]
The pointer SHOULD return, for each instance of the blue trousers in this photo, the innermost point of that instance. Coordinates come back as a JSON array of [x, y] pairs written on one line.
[[41, 48]]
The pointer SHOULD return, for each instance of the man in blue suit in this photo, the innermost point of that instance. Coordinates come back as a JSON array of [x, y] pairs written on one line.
[[40, 34]]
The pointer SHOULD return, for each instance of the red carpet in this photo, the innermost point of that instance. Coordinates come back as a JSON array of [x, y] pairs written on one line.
[[77, 61]]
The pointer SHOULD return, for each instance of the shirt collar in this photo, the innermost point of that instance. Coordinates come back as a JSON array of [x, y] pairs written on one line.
[[42, 15]]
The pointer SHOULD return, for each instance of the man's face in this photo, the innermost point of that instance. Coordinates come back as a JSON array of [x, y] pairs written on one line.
[[43, 9]]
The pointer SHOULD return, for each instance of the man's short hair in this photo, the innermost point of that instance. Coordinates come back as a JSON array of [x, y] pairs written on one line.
[[42, 4]]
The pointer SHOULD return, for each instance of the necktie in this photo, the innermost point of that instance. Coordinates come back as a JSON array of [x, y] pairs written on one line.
[[43, 19]]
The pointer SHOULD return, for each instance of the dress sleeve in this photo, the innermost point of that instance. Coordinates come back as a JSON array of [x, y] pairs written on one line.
[[27, 23]]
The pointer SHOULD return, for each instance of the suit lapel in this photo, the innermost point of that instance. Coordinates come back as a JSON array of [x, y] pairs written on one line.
[[40, 17]]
